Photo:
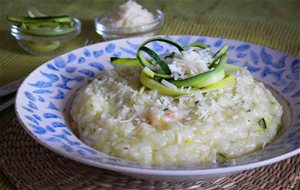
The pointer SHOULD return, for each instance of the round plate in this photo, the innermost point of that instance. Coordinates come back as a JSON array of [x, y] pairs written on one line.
[[44, 94]]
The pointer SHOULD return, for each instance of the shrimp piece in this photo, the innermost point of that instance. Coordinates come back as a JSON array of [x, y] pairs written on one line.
[[157, 117], [173, 115], [152, 115]]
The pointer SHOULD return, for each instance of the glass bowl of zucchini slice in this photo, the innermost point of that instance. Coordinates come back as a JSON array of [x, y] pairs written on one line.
[[43, 35]]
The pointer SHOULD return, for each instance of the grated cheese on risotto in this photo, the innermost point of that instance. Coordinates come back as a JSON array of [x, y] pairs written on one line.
[[191, 62], [116, 115]]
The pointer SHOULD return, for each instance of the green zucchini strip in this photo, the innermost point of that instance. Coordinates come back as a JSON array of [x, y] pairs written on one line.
[[217, 56], [162, 89], [171, 55], [262, 123], [222, 155], [156, 58], [200, 45], [134, 62], [163, 40], [30, 20], [163, 76], [44, 46], [51, 25], [228, 80], [124, 61], [222, 51], [213, 78], [231, 68], [145, 63], [197, 80], [47, 31], [148, 72]]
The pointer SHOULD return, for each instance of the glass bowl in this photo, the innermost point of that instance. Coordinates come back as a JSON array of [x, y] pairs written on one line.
[[44, 45], [108, 32]]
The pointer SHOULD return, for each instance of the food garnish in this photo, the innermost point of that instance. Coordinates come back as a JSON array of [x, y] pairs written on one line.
[[157, 75], [262, 123], [222, 155]]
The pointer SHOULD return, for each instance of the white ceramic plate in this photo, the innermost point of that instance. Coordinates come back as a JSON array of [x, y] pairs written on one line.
[[42, 97]]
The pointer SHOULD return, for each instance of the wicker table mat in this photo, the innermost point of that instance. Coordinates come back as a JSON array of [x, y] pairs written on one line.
[[31, 166]]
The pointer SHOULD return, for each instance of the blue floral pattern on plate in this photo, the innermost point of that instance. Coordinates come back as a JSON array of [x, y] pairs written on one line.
[[42, 98]]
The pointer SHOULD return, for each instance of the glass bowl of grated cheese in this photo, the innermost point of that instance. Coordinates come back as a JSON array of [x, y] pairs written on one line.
[[129, 20]]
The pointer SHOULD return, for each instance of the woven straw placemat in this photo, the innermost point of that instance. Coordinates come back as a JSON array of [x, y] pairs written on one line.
[[31, 166]]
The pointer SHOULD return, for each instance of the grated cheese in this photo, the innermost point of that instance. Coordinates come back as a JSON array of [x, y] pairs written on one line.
[[191, 62], [128, 15]]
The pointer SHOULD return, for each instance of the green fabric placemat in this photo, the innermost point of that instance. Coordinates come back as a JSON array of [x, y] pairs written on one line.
[[272, 23]]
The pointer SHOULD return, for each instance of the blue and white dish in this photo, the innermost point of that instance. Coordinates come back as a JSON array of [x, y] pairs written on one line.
[[46, 92]]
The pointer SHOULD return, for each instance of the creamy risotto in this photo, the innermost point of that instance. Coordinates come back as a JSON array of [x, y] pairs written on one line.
[[117, 115]]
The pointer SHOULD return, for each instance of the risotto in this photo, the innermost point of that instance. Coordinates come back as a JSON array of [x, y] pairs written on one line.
[[117, 115]]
